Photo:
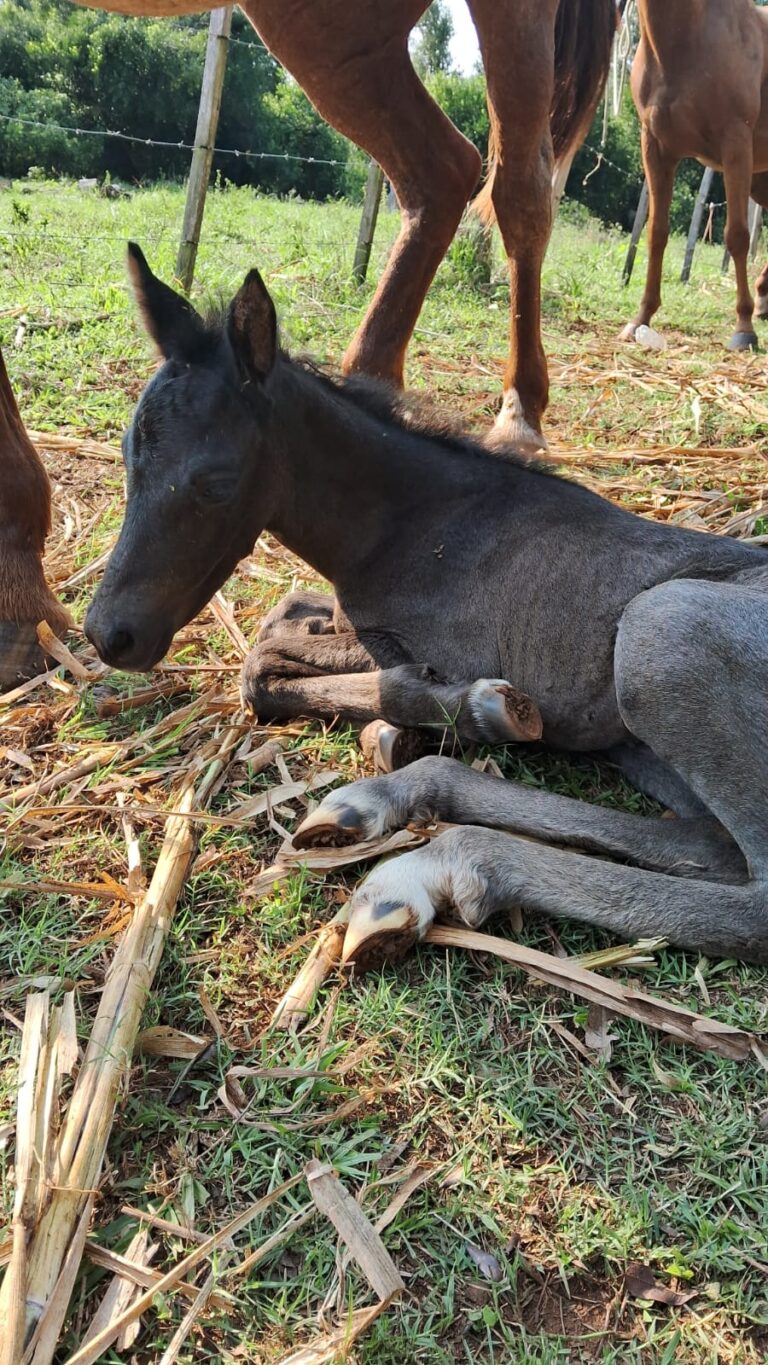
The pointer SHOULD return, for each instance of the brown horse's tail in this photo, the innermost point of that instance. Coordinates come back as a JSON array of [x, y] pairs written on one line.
[[584, 32]]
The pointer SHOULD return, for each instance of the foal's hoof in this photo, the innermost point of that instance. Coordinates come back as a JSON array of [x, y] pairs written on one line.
[[502, 714], [628, 333], [389, 913], [21, 655], [347, 816], [743, 341], [389, 748]]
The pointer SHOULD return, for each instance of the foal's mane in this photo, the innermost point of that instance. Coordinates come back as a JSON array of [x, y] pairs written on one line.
[[412, 412]]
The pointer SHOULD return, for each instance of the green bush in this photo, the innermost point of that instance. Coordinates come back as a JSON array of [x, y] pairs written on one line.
[[92, 70]]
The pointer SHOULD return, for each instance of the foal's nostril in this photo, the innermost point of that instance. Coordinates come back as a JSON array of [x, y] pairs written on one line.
[[118, 642]]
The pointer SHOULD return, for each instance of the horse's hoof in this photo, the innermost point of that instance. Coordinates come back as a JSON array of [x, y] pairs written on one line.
[[743, 341], [389, 748], [628, 333], [389, 912], [346, 816], [502, 714], [21, 654], [512, 428], [378, 933]]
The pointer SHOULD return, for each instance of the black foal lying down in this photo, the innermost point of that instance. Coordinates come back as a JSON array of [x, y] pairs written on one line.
[[464, 581]]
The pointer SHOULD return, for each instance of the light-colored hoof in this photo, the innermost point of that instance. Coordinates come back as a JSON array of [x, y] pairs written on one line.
[[389, 913], [512, 428], [378, 933], [389, 748], [628, 333], [346, 816], [743, 341], [502, 714]]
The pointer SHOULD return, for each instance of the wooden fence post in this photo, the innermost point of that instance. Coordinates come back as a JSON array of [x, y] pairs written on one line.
[[641, 215], [367, 221], [205, 140], [695, 228]]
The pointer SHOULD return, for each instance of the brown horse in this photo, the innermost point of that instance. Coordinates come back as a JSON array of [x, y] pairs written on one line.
[[545, 63], [700, 83]]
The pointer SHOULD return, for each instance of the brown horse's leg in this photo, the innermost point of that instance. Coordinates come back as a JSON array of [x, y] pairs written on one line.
[[25, 513], [660, 170], [360, 78], [517, 43], [761, 295], [759, 192], [737, 174]]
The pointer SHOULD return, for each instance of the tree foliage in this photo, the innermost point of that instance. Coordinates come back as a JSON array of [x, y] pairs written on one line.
[[432, 44], [92, 70]]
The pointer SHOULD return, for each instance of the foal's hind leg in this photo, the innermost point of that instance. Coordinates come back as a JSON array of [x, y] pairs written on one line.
[[360, 78], [443, 789], [691, 661]]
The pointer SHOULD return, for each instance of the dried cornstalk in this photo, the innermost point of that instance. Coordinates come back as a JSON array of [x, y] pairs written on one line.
[[59, 651], [87, 1353], [361, 1240], [568, 974], [333, 1346], [77, 1156], [564, 973], [293, 1007]]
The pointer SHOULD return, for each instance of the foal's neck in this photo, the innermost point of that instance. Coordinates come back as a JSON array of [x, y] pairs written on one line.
[[349, 483]]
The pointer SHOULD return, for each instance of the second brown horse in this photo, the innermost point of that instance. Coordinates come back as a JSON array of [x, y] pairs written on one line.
[[700, 84]]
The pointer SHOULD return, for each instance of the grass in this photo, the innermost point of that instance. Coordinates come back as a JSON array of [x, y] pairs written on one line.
[[564, 1167]]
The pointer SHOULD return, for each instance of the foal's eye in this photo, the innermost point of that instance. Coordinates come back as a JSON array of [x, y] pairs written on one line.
[[214, 487]]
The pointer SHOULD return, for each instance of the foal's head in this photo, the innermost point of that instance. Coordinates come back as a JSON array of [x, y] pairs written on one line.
[[198, 487]]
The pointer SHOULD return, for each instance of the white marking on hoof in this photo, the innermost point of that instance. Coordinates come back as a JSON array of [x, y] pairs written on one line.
[[512, 428], [345, 816], [390, 912], [388, 747], [628, 333]]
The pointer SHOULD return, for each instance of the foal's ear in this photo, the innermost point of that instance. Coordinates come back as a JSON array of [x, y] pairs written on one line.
[[174, 326], [252, 327]]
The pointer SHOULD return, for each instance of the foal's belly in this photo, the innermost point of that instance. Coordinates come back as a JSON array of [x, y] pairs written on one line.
[[567, 673]]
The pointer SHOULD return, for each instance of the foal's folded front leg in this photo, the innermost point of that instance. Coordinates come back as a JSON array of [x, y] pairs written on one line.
[[326, 677]]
